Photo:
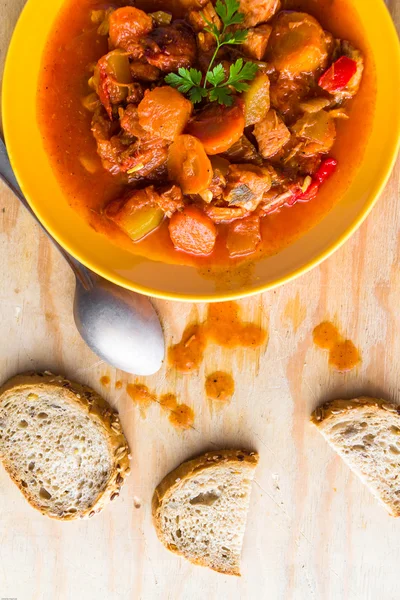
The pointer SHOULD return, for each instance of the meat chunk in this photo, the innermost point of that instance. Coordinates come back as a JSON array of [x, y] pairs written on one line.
[[135, 92], [164, 112], [170, 199], [245, 185], [171, 47], [258, 11], [297, 44], [129, 121], [198, 23], [225, 214], [317, 131], [256, 42], [147, 157], [271, 134], [142, 71], [205, 41], [192, 4], [127, 26], [243, 151], [286, 93], [109, 145]]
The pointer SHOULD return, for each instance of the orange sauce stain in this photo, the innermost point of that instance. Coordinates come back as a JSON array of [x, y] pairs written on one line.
[[182, 416], [222, 326], [343, 355], [168, 402], [187, 355], [118, 384], [141, 395], [220, 386], [294, 313], [105, 380]]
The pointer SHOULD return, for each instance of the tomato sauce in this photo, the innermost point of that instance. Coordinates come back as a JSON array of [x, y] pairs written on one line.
[[219, 386], [223, 327], [343, 354], [65, 125]]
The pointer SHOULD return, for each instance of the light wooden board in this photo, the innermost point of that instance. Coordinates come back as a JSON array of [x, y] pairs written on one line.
[[314, 531]]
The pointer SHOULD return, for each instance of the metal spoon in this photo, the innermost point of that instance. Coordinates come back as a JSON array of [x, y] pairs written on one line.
[[121, 327]]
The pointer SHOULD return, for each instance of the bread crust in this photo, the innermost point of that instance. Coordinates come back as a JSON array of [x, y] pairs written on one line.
[[184, 472], [330, 411], [92, 404], [332, 408]]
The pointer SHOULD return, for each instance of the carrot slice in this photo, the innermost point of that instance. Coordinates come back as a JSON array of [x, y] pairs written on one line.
[[192, 231], [218, 127], [189, 165]]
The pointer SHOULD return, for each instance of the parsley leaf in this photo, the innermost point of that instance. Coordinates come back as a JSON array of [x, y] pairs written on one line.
[[216, 76], [228, 11], [188, 80], [197, 94], [222, 95], [236, 37], [216, 86], [239, 73]]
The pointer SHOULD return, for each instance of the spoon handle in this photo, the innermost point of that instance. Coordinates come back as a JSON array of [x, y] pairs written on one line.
[[7, 175]]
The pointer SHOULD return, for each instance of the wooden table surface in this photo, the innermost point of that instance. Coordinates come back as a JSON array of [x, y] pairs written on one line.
[[314, 531]]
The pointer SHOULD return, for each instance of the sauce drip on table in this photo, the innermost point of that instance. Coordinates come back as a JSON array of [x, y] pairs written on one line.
[[220, 386], [223, 327], [105, 380], [141, 395], [343, 355], [180, 416]]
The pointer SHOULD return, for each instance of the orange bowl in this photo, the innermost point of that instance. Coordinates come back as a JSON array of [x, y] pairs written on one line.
[[177, 282]]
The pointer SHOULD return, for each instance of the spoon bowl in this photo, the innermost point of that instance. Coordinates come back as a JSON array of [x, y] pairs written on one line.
[[119, 326]]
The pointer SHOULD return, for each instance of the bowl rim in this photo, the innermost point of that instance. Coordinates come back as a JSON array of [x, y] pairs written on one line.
[[123, 281]]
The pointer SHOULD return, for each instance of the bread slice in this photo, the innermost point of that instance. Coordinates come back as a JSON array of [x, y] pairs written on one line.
[[62, 444], [365, 432], [200, 509]]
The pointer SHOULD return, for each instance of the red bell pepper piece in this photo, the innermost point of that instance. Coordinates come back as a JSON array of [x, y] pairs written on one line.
[[326, 169], [338, 75]]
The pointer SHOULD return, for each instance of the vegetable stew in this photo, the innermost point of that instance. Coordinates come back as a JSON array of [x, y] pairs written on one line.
[[205, 133]]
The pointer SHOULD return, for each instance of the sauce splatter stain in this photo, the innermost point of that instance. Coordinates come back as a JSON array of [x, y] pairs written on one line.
[[168, 402], [182, 417], [105, 380], [343, 355], [118, 384], [187, 355], [141, 395], [222, 327], [220, 386], [294, 313]]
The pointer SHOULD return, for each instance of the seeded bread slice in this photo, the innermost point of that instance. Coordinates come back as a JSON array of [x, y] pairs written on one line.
[[200, 509], [62, 444], [365, 432]]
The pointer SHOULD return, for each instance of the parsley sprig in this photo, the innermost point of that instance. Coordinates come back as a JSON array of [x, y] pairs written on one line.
[[217, 87]]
